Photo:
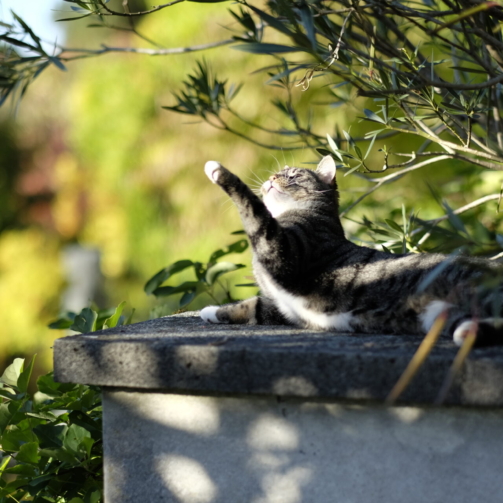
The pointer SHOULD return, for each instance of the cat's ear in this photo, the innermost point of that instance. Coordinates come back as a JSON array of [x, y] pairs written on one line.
[[326, 169]]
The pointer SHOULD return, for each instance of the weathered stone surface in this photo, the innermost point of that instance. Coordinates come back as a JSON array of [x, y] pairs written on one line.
[[200, 449], [182, 354]]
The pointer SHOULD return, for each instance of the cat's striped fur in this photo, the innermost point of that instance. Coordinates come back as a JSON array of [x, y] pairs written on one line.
[[310, 275]]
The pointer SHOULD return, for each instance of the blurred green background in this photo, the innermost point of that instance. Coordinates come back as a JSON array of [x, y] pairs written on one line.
[[90, 157]]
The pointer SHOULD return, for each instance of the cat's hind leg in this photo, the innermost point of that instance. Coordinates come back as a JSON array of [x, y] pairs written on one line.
[[489, 332], [254, 311]]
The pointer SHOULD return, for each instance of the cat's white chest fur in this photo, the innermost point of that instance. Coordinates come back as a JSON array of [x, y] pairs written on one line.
[[295, 310]]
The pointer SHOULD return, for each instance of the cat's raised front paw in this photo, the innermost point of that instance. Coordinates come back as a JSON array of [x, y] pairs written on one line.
[[209, 314], [212, 170]]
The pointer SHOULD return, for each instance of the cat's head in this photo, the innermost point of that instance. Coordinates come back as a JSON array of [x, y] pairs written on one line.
[[297, 188]]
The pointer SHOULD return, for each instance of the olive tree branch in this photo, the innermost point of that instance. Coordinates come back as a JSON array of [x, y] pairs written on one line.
[[141, 50], [110, 12], [393, 176]]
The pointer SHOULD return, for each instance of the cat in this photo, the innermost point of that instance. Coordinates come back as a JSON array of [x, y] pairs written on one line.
[[311, 276]]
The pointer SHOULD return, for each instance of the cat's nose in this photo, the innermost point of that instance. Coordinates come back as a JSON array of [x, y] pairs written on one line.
[[273, 177]]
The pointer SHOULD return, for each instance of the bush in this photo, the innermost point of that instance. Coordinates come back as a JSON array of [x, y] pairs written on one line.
[[51, 440]]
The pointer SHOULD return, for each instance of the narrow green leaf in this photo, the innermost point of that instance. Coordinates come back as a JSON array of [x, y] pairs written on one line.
[[372, 116], [469, 70], [323, 151], [5, 416], [165, 291], [334, 147], [394, 226], [466, 13], [307, 21], [164, 274], [130, 318], [262, 48], [28, 30], [349, 138], [24, 378], [187, 298], [237, 247], [5, 463], [114, 319], [57, 62], [353, 169], [454, 219], [434, 273], [371, 144], [272, 21], [214, 272], [61, 323], [18, 43]]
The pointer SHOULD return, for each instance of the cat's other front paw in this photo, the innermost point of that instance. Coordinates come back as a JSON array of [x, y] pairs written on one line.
[[212, 170], [209, 314]]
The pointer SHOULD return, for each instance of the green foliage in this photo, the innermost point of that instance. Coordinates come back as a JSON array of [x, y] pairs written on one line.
[[51, 441], [206, 277], [18, 68], [428, 78], [90, 320]]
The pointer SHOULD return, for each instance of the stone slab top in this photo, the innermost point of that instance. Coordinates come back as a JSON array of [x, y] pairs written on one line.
[[183, 354]]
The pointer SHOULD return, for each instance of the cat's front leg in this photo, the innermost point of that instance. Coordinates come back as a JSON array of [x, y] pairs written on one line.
[[255, 216], [254, 311]]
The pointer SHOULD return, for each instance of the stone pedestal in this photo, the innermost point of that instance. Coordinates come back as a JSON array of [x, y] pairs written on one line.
[[198, 413]]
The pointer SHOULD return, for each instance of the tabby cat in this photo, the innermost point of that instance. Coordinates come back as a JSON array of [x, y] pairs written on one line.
[[311, 276]]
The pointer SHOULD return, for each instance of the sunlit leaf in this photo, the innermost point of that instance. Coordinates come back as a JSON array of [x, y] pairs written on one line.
[[372, 116], [12, 372], [237, 247], [114, 319], [164, 274], [220, 268], [334, 147]]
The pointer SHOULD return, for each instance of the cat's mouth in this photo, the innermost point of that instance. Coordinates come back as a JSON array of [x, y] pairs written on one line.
[[268, 186]]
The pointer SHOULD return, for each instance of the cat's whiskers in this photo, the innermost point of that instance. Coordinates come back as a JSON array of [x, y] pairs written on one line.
[[255, 179], [226, 205], [276, 159]]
